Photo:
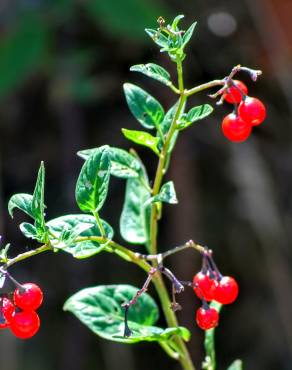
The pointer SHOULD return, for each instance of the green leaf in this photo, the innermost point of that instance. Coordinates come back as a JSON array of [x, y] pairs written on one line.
[[68, 227], [134, 224], [4, 254], [93, 181], [194, 115], [30, 231], [38, 205], [99, 308], [188, 34], [167, 194], [22, 202], [22, 51], [158, 37], [123, 164], [38, 208], [147, 110], [142, 138], [236, 365], [154, 71], [175, 22]]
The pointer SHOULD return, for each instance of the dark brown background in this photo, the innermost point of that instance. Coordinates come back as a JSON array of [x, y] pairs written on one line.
[[63, 92]]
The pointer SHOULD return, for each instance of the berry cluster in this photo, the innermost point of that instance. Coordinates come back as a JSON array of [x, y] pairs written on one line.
[[210, 285], [19, 314], [248, 112]]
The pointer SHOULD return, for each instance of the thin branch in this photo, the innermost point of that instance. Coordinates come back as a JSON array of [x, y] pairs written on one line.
[[161, 256], [126, 306], [226, 82]]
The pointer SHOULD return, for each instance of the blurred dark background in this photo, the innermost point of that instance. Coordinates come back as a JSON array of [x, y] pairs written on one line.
[[62, 65]]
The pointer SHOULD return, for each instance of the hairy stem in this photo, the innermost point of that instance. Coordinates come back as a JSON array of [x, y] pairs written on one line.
[[184, 356]]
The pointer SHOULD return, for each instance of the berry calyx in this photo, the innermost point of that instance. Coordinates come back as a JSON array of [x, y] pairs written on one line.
[[7, 311], [252, 110], [25, 324], [235, 92], [235, 128], [29, 297], [207, 318], [204, 286], [226, 291]]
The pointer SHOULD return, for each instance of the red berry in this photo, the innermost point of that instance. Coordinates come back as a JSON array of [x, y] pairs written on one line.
[[226, 291], [204, 286], [30, 298], [25, 324], [207, 318], [233, 95], [7, 311], [235, 128], [252, 110]]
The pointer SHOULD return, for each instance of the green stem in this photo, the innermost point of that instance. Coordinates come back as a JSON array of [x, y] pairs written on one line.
[[205, 86], [209, 343], [25, 255], [171, 352], [184, 358], [121, 251], [159, 176], [99, 224], [171, 320]]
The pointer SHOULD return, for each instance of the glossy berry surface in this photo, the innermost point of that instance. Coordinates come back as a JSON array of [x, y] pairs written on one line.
[[252, 110], [226, 291], [235, 128], [7, 311], [30, 298], [207, 318], [234, 95], [204, 286], [25, 324]]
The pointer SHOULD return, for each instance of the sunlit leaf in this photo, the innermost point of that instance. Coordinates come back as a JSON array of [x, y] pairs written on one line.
[[134, 224], [68, 228], [154, 71], [99, 308], [22, 202], [93, 181], [145, 108], [142, 138], [194, 115]]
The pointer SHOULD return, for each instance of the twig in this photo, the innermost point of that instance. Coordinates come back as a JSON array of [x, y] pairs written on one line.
[[126, 306]]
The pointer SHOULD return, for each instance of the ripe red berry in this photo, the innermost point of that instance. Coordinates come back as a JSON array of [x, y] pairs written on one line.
[[25, 324], [235, 128], [204, 286], [28, 298], [252, 110], [234, 95], [7, 311], [207, 318], [226, 291]]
